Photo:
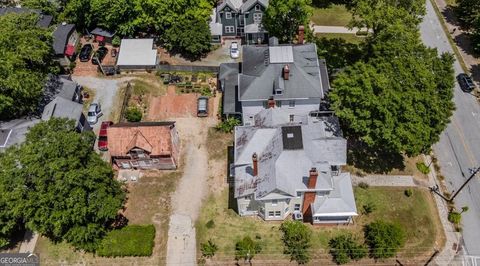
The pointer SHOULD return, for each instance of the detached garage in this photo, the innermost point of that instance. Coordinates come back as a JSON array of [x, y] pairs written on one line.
[[137, 54]]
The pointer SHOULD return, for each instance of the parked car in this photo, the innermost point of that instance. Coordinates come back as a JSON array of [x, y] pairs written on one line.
[[234, 51], [108, 70], [466, 82], [94, 112], [102, 136], [202, 107], [99, 55], [86, 52]]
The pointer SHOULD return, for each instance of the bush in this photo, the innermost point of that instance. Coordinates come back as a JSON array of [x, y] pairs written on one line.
[[408, 192], [228, 124], [116, 41], [454, 217], [133, 114], [344, 248], [363, 185], [208, 249], [246, 249], [131, 240], [423, 168], [206, 92], [368, 208], [384, 239], [296, 240], [210, 224]]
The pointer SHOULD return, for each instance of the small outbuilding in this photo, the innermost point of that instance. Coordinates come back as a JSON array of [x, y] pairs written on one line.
[[102, 36], [137, 54]]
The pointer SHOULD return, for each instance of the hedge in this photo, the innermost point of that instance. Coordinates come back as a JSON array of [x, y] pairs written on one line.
[[131, 240]]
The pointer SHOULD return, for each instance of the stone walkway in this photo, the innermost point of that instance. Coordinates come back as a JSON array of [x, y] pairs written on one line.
[[385, 180]]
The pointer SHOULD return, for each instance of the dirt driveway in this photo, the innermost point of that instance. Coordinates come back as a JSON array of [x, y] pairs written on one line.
[[173, 105]]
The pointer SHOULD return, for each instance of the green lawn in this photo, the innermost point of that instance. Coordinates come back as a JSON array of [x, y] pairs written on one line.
[[132, 240], [391, 205], [335, 15], [350, 38]]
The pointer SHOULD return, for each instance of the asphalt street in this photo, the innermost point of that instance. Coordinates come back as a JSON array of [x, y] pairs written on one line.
[[459, 145]]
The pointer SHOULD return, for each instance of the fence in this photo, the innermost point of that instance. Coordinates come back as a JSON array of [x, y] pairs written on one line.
[[128, 94], [173, 68]]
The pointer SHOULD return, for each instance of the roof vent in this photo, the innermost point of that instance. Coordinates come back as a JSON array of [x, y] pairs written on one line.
[[64, 23]]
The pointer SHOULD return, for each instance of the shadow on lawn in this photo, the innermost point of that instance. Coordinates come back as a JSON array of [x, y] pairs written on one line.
[[373, 160], [232, 202]]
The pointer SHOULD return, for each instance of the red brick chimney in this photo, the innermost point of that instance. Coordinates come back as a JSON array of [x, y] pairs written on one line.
[[309, 196], [301, 34], [286, 72], [271, 103], [255, 164]]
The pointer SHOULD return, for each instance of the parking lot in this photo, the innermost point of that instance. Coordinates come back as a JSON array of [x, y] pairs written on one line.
[[89, 69]]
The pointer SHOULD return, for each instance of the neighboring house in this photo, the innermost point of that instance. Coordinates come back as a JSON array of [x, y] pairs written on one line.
[[65, 41], [137, 54], [44, 21], [144, 145], [67, 104], [286, 164], [239, 19], [103, 36], [14, 131], [290, 77]]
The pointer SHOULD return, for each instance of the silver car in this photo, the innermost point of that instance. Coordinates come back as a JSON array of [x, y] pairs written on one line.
[[94, 112], [234, 51]]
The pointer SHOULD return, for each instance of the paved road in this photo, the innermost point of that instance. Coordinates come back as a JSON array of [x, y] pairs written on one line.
[[459, 145]]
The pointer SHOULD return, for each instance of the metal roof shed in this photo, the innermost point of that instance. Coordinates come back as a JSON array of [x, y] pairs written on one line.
[[137, 54]]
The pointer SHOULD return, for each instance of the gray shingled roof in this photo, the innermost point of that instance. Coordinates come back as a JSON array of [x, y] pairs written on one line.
[[43, 20], [62, 108], [339, 202], [249, 3], [281, 168], [60, 37], [102, 32], [228, 77], [233, 4], [259, 75]]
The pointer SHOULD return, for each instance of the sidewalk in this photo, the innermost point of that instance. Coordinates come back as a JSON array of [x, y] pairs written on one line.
[[335, 29], [29, 241], [385, 180]]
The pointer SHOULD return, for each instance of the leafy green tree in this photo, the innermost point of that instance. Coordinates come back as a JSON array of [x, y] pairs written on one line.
[[344, 248], [228, 124], [49, 7], [384, 239], [79, 13], [115, 15], [338, 53], [296, 239], [208, 249], [25, 60], [283, 17], [133, 114], [246, 249], [65, 190], [468, 12]]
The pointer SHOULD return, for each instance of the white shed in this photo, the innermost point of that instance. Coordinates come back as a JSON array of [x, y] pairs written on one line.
[[137, 54]]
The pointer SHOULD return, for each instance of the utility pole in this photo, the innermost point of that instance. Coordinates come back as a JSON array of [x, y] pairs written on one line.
[[435, 189]]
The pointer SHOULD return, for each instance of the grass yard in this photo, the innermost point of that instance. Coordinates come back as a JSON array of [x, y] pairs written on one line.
[[217, 143], [148, 203], [335, 15], [350, 38], [391, 204], [132, 240]]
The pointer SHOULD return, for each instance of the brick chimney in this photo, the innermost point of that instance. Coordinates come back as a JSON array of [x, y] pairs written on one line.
[[301, 34], [271, 103], [309, 196], [286, 72], [255, 164]]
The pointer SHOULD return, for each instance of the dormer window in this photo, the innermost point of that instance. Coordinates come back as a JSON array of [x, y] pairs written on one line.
[[257, 8], [228, 15], [278, 92]]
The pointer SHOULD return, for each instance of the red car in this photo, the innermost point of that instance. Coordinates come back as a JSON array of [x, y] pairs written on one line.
[[102, 136]]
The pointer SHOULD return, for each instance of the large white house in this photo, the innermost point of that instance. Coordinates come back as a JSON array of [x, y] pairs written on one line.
[[290, 77], [288, 165]]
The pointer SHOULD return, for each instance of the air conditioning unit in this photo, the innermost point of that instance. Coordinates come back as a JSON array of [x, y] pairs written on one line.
[[297, 216]]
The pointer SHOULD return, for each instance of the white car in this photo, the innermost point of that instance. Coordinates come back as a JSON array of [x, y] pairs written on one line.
[[234, 51], [94, 112]]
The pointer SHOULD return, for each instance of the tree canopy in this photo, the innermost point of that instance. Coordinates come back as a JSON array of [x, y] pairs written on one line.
[[384, 239], [25, 60], [58, 186], [345, 248], [468, 13], [246, 249], [296, 239], [283, 17]]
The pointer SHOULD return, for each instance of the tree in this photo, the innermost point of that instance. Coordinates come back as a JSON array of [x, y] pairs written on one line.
[[63, 189], [345, 248], [228, 124], [338, 53], [24, 63], [48, 7], [296, 239], [133, 114], [115, 15], [246, 249], [208, 249], [468, 12], [384, 239], [283, 18], [79, 13]]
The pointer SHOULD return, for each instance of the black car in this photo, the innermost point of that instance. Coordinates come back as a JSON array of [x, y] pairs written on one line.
[[466, 82], [99, 55], [85, 52]]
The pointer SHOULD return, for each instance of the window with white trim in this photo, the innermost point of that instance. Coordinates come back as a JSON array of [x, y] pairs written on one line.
[[278, 213], [274, 202], [257, 17], [228, 15], [296, 207], [299, 194], [229, 29], [271, 214], [291, 104]]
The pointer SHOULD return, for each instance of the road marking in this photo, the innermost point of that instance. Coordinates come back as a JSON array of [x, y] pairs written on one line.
[[471, 157]]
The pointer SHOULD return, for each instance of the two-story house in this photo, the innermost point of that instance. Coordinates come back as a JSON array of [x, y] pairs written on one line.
[[288, 165], [290, 77], [239, 19]]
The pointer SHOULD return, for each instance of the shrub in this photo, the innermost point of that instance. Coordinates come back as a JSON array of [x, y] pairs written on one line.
[[208, 249], [454, 217], [423, 168], [465, 209], [210, 224], [228, 124], [246, 249], [384, 239], [116, 41], [408, 192], [368, 208], [344, 248], [205, 91], [363, 185], [296, 240], [133, 114], [131, 240]]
